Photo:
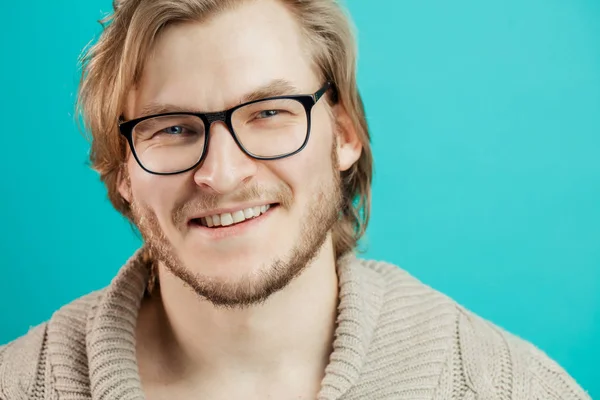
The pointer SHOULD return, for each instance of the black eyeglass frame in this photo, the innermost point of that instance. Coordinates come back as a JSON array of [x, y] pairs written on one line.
[[307, 100]]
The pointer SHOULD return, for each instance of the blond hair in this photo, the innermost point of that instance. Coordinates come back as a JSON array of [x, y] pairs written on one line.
[[112, 67]]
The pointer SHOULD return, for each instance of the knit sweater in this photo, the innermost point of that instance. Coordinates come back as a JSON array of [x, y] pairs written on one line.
[[395, 339]]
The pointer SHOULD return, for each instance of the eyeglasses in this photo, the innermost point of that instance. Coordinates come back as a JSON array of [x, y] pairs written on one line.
[[265, 129]]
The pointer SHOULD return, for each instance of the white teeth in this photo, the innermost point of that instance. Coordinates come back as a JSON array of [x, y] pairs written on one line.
[[226, 219], [238, 216]]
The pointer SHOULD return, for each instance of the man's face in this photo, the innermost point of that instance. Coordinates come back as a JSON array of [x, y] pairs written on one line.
[[211, 67]]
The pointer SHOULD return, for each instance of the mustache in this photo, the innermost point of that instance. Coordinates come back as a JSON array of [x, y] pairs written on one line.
[[203, 202]]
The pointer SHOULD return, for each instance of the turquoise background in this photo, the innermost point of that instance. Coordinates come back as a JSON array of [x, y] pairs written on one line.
[[485, 119]]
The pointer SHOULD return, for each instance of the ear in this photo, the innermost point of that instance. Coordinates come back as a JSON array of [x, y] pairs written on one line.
[[349, 147], [124, 184]]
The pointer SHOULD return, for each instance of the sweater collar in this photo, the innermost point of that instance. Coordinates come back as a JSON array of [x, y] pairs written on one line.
[[111, 349], [110, 339], [361, 292]]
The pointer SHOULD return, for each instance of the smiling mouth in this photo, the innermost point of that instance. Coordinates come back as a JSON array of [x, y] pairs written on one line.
[[231, 218]]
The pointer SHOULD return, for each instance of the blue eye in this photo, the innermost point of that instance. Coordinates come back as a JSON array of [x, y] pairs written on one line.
[[174, 130], [268, 113]]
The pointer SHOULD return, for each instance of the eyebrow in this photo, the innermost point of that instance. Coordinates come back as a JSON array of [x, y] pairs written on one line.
[[277, 87]]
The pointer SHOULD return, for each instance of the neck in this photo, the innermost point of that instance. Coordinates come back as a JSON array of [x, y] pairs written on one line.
[[290, 334]]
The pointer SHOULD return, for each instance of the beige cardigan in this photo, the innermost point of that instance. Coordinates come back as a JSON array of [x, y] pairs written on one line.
[[395, 339]]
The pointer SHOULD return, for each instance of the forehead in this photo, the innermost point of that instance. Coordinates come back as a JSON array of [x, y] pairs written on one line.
[[213, 65]]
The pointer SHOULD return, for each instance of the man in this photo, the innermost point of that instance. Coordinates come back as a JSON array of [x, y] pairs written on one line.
[[232, 134]]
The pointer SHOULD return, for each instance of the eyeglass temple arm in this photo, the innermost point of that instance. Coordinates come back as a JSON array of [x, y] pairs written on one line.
[[322, 91]]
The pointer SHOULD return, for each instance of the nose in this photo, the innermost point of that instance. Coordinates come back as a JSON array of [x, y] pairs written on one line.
[[225, 167]]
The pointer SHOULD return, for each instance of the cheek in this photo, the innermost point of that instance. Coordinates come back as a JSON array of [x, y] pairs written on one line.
[[315, 159], [160, 193], [308, 170]]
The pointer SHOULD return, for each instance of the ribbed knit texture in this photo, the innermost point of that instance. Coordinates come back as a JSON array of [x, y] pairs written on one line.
[[395, 339]]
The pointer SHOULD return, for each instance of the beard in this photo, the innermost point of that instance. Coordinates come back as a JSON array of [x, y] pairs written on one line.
[[320, 215]]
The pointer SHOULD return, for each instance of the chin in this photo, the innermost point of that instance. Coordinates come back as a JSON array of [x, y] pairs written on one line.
[[229, 265], [234, 281]]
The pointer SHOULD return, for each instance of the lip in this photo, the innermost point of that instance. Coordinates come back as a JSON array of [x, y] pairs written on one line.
[[234, 230], [232, 209]]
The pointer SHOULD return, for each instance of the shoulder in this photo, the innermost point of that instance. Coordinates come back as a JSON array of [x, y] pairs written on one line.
[[23, 361], [19, 362], [496, 361], [479, 357]]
